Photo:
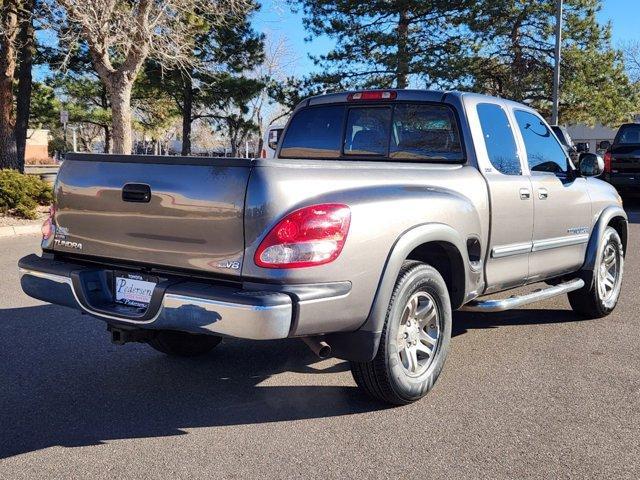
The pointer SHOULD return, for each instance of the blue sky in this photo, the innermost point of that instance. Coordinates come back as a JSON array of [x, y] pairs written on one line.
[[277, 20]]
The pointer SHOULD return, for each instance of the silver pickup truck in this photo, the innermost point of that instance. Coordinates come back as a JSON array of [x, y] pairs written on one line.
[[382, 213]]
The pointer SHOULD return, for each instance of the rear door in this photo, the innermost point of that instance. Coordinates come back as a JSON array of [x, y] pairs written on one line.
[[562, 207], [509, 191]]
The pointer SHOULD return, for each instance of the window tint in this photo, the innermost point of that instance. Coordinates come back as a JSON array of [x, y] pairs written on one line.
[[401, 131], [424, 132], [498, 138], [544, 153], [628, 134], [314, 133], [367, 131]]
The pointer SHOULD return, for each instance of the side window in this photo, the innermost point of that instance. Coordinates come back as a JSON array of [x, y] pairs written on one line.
[[544, 153], [498, 137]]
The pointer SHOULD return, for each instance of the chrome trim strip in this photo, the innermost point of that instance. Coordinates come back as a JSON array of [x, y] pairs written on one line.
[[500, 305], [47, 276], [225, 318], [511, 249], [546, 244], [558, 242]]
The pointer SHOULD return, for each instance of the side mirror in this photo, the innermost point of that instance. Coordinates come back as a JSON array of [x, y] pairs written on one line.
[[582, 147], [591, 165], [604, 145], [274, 138]]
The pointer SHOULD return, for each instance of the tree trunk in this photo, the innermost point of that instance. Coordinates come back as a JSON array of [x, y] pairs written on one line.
[[104, 102], [26, 42], [403, 52], [8, 29], [187, 115], [107, 139], [119, 91]]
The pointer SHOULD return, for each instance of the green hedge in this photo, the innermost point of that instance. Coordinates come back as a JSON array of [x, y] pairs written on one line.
[[21, 194]]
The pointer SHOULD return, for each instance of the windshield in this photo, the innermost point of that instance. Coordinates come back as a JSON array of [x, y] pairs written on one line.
[[402, 132], [628, 135]]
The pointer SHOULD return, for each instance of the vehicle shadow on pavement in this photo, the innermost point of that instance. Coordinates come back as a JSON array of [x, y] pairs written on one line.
[[64, 383], [632, 207], [465, 321]]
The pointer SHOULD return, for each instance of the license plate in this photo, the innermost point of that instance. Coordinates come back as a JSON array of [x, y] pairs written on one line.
[[132, 289]]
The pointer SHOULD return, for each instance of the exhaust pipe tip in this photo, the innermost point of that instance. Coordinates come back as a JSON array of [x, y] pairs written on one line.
[[321, 348]]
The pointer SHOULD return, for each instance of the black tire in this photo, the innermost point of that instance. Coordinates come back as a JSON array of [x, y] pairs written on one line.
[[590, 301], [386, 378], [182, 344]]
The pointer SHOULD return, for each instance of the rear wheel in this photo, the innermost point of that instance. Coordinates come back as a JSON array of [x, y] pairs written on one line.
[[600, 298], [415, 338], [182, 344]]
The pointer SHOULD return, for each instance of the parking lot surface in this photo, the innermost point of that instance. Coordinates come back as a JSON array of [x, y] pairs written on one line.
[[529, 393]]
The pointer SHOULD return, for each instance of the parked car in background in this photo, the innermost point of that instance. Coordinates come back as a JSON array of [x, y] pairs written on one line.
[[573, 150], [622, 159], [385, 211], [270, 141]]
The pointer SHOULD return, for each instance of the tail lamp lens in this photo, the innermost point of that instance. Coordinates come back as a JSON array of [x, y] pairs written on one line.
[[48, 227], [607, 162], [307, 237]]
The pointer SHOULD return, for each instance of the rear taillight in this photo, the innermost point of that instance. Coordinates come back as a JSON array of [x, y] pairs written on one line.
[[372, 95], [307, 237], [607, 162], [263, 153], [48, 227]]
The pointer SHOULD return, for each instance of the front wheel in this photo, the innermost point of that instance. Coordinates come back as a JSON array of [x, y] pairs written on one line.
[[600, 298], [415, 338]]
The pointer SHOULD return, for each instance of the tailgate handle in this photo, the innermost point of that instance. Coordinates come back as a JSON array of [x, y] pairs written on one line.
[[136, 192]]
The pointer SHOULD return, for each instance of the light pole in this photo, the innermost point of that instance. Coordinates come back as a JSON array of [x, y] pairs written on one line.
[[556, 69]]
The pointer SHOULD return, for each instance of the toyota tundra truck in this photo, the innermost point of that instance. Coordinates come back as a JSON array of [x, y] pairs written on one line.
[[382, 212]]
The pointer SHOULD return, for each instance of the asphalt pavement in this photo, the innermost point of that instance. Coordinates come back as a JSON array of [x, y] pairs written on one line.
[[530, 393]]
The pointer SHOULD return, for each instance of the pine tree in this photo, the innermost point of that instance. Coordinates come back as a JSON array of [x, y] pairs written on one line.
[[514, 58], [386, 43]]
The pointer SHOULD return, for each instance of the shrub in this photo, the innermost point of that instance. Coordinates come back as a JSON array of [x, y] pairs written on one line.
[[21, 194]]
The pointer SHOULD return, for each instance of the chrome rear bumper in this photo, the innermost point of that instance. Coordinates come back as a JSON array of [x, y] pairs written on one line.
[[184, 306]]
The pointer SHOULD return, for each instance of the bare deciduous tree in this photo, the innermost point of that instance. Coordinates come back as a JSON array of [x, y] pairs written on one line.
[[122, 34], [631, 51]]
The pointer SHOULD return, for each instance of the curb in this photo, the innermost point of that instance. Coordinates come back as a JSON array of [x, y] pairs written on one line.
[[16, 230]]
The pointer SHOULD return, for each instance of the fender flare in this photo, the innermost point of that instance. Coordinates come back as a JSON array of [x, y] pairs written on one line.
[[593, 247], [362, 345]]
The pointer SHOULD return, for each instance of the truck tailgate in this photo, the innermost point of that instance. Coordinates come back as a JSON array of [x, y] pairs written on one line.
[[625, 159], [178, 212]]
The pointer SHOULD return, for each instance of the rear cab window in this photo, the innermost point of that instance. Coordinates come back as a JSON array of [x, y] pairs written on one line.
[[392, 131]]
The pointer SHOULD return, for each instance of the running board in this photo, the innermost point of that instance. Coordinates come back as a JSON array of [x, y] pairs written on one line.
[[500, 305]]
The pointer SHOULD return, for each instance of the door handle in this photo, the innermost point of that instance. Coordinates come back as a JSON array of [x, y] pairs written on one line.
[[136, 192], [525, 194], [543, 193]]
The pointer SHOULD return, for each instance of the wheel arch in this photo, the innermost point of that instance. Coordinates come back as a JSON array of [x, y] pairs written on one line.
[[612, 216], [447, 259], [435, 243]]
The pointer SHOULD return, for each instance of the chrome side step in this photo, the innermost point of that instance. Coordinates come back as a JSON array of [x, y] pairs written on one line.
[[500, 305]]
